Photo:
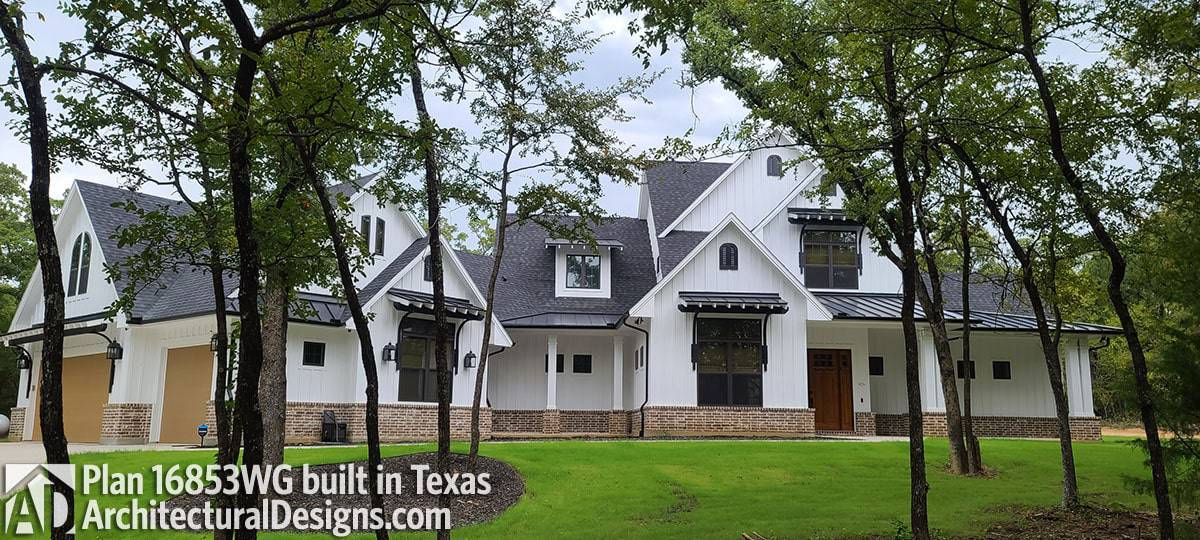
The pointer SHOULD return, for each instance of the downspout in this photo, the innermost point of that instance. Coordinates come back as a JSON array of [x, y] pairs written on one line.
[[488, 401], [646, 360]]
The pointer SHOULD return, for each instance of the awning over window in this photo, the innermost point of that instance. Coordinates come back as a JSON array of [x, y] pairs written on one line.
[[722, 302], [824, 216], [555, 242], [420, 302]]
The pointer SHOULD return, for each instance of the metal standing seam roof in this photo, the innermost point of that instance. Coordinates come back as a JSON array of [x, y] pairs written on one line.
[[819, 215], [887, 307], [566, 320], [609, 243], [693, 301], [458, 308]]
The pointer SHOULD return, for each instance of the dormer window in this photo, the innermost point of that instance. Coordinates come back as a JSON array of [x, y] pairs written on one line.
[[774, 166], [81, 265], [831, 259], [728, 256], [583, 272]]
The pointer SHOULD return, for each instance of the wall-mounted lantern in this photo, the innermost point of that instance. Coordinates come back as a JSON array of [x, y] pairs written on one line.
[[24, 361], [114, 351], [215, 344], [469, 360], [389, 353]]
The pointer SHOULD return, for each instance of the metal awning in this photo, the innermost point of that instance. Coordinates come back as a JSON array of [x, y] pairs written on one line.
[[565, 320], [722, 302], [88, 324], [824, 216], [563, 242], [420, 302]]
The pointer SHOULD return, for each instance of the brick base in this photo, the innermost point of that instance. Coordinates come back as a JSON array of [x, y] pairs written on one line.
[[727, 421], [16, 424], [397, 422], [1082, 429], [561, 421], [864, 423], [551, 421], [125, 423], [618, 423]]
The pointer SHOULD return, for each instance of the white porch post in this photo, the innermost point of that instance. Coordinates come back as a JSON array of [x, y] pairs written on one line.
[[550, 418], [618, 388], [930, 375], [1079, 379]]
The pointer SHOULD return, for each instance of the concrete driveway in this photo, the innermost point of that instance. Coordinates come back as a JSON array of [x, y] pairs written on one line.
[[32, 452]]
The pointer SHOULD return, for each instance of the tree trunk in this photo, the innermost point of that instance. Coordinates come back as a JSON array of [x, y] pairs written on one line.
[[1115, 278], [1070, 495], [906, 240], [272, 385], [50, 415], [934, 307], [433, 209], [974, 458], [226, 446], [485, 348]]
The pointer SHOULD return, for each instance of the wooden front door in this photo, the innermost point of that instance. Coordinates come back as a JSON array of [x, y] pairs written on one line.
[[829, 389]]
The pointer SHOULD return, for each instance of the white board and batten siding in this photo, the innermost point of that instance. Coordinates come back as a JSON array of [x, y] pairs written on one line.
[[747, 192], [672, 379], [517, 378]]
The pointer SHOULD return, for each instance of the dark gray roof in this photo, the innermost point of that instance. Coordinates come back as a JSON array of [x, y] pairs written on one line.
[[676, 245], [479, 267], [851, 305], [565, 320], [384, 276], [350, 187], [673, 185], [422, 302], [526, 285], [731, 302], [826, 216], [1001, 294]]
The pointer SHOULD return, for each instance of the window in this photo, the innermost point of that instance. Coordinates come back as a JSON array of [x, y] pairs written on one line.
[[379, 228], [962, 367], [314, 354], [831, 189], [364, 230], [81, 264], [428, 268], [418, 367], [581, 363], [774, 166], [729, 257], [875, 364], [830, 259], [558, 363], [728, 356], [583, 271], [1002, 370]]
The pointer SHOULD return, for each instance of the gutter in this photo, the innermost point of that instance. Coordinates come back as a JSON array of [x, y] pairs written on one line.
[[646, 359], [490, 356]]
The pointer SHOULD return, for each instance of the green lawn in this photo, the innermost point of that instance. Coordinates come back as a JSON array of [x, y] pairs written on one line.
[[718, 489]]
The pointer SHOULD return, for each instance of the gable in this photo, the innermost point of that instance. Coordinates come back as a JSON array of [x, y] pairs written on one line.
[[672, 186]]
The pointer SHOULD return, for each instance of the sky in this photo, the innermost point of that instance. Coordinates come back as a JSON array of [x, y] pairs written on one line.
[[671, 111]]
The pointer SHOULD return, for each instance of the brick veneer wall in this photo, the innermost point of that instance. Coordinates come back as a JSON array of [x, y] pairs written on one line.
[[864, 423], [125, 423], [727, 421], [16, 424], [397, 422], [1082, 429], [584, 421], [513, 421]]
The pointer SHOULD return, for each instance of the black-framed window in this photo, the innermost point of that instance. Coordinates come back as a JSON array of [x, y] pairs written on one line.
[[728, 255], [314, 354], [774, 166], [830, 259], [581, 363], [1002, 370], [428, 276], [729, 362], [558, 363], [364, 231], [81, 264], [831, 189], [875, 365], [583, 271], [379, 231], [418, 366], [964, 368]]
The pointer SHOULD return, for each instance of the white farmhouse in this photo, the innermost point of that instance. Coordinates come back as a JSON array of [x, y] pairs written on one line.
[[737, 302]]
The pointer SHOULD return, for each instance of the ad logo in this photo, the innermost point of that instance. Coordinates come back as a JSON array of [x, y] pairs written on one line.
[[27, 489]]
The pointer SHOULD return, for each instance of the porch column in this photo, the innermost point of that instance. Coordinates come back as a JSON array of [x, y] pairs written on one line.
[[550, 418], [617, 417], [930, 374], [1079, 378]]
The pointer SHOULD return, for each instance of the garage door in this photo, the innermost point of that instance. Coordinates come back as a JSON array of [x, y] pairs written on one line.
[[186, 393], [85, 393]]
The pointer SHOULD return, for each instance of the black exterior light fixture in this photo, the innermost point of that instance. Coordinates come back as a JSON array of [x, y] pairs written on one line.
[[215, 344], [389, 353], [469, 360], [24, 361], [114, 351]]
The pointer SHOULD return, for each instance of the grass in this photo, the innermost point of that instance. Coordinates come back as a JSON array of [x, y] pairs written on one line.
[[719, 489]]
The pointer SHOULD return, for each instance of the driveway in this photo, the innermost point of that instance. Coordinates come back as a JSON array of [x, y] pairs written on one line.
[[31, 452]]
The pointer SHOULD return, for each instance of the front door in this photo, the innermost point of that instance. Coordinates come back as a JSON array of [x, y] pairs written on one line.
[[829, 389]]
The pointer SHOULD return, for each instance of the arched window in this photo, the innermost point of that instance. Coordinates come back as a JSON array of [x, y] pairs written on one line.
[[774, 166], [728, 257], [81, 264]]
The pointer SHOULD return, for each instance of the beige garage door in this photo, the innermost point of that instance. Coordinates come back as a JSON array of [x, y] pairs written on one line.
[[186, 393], [85, 393]]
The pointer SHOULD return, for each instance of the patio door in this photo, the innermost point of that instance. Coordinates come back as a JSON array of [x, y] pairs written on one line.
[[829, 391]]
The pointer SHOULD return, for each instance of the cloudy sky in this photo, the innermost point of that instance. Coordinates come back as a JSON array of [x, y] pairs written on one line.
[[672, 111]]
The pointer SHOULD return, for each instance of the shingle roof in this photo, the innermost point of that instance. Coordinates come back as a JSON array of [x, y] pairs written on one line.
[[526, 285], [350, 187], [676, 245], [368, 291], [673, 185]]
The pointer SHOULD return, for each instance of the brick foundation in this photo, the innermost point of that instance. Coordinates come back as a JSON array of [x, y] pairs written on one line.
[[727, 421], [513, 421], [864, 423], [551, 421], [16, 424], [1082, 429], [125, 423], [618, 423], [397, 422]]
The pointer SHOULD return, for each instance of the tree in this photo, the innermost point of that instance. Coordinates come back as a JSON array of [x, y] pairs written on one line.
[[32, 106], [538, 124], [18, 254]]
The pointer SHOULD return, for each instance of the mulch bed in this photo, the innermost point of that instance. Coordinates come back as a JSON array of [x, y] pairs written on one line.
[[507, 487], [1084, 523]]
